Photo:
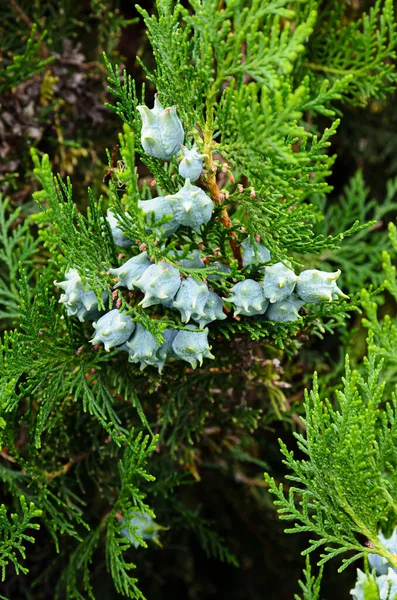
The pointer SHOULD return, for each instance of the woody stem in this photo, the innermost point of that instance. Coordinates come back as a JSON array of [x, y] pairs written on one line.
[[212, 186]]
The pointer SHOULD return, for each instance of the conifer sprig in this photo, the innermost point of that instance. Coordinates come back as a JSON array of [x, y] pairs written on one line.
[[14, 535], [311, 585], [17, 247], [345, 488], [368, 45], [24, 66]]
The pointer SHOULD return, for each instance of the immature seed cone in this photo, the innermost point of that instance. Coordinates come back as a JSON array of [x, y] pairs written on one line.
[[79, 302], [162, 133], [285, 310], [279, 282], [191, 298], [159, 283], [191, 165], [248, 298], [316, 286], [191, 206], [113, 329], [192, 346]]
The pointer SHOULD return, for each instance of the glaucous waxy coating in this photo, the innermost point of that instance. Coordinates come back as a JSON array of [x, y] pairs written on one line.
[[192, 346], [379, 563], [117, 233], [248, 298], [142, 348], [387, 585], [212, 311], [316, 286], [254, 253], [285, 310], [156, 210], [191, 298], [145, 526], [279, 282], [222, 270], [162, 133], [113, 329], [131, 271], [191, 165], [79, 302], [165, 349], [190, 261], [191, 206], [159, 283]]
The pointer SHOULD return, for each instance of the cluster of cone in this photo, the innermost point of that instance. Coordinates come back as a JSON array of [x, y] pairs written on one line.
[[279, 297], [162, 137], [282, 293], [383, 574]]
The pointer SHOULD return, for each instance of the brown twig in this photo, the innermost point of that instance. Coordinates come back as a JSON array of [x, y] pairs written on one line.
[[50, 475], [7, 457], [212, 187]]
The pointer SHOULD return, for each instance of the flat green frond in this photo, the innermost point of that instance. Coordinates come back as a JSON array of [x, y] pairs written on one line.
[[14, 533]]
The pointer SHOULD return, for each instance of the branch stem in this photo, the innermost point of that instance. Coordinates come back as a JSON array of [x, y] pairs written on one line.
[[212, 186]]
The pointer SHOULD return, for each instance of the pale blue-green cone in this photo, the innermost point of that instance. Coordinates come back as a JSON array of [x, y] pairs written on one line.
[[190, 261], [248, 298], [159, 283], [213, 311], [156, 210], [279, 282], [286, 310], [254, 253], [113, 329], [192, 346], [379, 563], [165, 351], [162, 133], [79, 302], [117, 233], [142, 348], [362, 579], [131, 271], [191, 206], [387, 585], [317, 286], [191, 165], [222, 270], [191, 298], [144, 526]]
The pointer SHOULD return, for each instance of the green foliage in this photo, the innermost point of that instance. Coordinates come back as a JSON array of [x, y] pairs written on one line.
[[370, 589], [24, 66], [346, 486], [17, 249], [14, 535], [346, 447], [311, 586], [358, 52], [85, 243], [130, 499]]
